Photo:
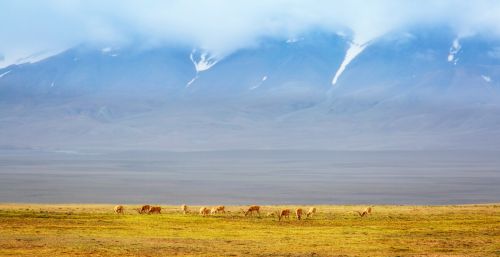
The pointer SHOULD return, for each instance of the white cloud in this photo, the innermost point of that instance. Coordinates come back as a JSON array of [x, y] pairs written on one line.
[[222, 25]]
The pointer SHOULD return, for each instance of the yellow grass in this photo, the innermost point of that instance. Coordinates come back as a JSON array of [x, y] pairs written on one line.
[[94, 230]]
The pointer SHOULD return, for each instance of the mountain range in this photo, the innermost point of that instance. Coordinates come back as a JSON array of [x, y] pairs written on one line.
[[418, 88]]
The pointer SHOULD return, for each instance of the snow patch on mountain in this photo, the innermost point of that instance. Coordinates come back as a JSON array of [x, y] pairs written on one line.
[[5, 73], [203, 60], [33, 58], [454, 49], [353, 51], [486, 78], [191, 81], [294, 40], [109, 51], [260, 83], [106, 50], [341, 33]]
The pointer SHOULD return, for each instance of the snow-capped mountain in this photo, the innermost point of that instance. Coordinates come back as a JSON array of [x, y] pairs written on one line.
[[430, 65], [283, 73], [414, 88]]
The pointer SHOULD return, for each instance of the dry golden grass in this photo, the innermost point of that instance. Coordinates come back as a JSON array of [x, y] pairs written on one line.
[[94, 230]]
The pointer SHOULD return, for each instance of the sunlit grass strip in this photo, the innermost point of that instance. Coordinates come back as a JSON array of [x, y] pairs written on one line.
[[68, 230]]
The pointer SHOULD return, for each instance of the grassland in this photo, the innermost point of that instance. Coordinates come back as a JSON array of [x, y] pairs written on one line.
[[94, 230]]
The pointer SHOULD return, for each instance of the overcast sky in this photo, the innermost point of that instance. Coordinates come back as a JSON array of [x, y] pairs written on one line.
[[30, 26]]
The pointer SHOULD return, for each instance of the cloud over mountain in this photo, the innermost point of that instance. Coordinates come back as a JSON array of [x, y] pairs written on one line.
[[222, 26]]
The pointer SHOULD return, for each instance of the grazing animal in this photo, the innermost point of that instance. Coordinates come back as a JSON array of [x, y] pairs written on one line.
[[119, 209], [362, 214], [155, 210], [251, 209], [204, 211], [366, 212], [184, 209], [144, 209], [311, 212], [284, 213], [298, 213], [220, 209]]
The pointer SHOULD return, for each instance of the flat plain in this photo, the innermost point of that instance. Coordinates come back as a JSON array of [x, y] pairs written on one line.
[[245, 177], [336, 230]]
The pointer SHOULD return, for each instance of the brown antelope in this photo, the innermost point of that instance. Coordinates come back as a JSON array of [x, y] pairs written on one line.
[[284, 213], [251, 209], [217, 209], [144, 209], [298, 213], [220, 209], [311, 212], [119, 209], [366, 212], [204, 211], [154, 210], [184, 209]]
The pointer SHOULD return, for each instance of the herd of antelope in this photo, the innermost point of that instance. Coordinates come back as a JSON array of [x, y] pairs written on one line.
[[221, 209]]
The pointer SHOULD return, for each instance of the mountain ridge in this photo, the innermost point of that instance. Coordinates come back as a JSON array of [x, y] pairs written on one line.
[[421, 88]]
